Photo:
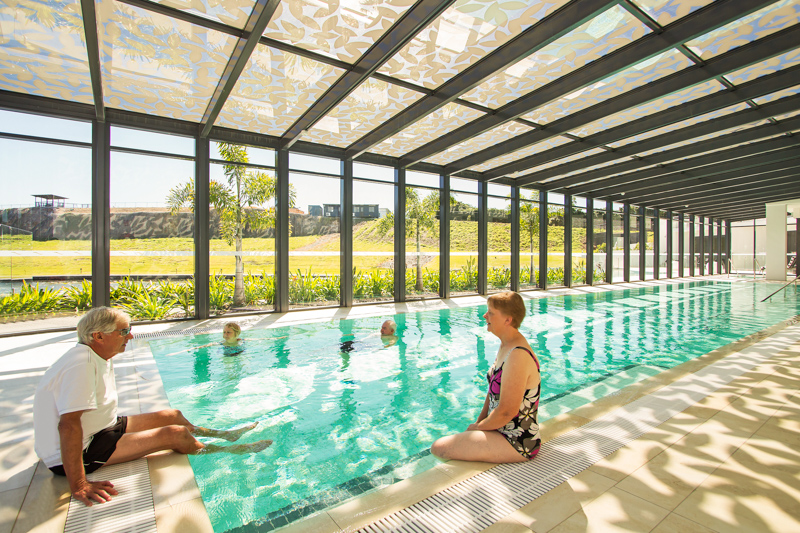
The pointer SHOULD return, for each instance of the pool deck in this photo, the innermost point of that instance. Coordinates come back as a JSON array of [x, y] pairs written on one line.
[[731, 462]]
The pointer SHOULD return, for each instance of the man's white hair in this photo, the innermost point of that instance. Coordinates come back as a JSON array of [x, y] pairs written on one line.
[[100, 320]]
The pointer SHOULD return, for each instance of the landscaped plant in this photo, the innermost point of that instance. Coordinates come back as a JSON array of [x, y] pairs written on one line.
[[79, 297], [148, 305]]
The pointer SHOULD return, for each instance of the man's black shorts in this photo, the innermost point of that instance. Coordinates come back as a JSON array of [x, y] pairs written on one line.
[[103, 444]]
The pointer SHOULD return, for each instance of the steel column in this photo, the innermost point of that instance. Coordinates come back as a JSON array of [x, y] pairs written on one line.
[[609, 242], [101, 214], [590, 241], [444, 236], [346, 233], [515, 197], [202, 232], [567, 240], [282, 232], [543, 239], [400, 235], [691, 246], [626, 248], [483, 239]]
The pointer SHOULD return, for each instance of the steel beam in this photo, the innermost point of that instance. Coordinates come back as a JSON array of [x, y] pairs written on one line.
[[527, 42], [93, 57], [414, 20], [252, 32]]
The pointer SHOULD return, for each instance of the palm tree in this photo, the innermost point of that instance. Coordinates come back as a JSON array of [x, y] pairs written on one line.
[[529, 223], [420, 215]]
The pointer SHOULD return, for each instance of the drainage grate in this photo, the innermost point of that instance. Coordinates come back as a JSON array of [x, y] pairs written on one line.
[[476, 503], [131, 511], [194, 331]]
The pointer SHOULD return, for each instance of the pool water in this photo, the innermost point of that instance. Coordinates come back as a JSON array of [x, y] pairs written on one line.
[[348, 413]]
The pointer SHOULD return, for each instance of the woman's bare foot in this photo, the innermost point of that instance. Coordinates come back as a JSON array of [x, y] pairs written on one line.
[[250, 447], [234, 434]]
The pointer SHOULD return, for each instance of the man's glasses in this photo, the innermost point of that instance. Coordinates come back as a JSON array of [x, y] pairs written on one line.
[[124, 332]]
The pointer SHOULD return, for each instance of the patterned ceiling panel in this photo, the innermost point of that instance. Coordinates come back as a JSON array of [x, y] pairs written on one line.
[[442, 121], [650, 108], [754, 26], [461, 36], [668, 11], [726, 148], [601, 178], [366, 108], [778, 95], [521, 153], [231, 12], [789, 59], [640, 74], [702, 138], [42, 50], [573, 157], [680, 125], [274, 90], [158, 65], [587, 169], [608, 31], [787, 115], [485, 140], [342, 29]]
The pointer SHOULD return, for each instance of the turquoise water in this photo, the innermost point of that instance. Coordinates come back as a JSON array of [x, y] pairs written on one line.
[[350, 416]]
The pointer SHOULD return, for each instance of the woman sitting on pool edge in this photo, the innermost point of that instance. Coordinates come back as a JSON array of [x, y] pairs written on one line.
[[507, 430]]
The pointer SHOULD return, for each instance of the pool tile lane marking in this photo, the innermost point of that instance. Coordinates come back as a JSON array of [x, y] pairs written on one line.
[[469, 507], [131, 510]]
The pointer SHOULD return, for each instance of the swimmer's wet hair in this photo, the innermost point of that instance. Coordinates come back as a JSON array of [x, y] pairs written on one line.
[[509, 303], [234, 326]]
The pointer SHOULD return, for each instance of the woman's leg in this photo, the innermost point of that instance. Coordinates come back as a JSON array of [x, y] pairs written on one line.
[[485, 446]]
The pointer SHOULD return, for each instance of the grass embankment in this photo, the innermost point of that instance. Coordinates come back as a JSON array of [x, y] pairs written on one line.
[[367, 237]]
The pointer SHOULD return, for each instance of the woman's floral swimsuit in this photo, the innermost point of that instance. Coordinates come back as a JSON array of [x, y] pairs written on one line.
[[522, 432]]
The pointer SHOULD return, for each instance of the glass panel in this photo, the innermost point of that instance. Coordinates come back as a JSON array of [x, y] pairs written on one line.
[[242, 254], [649, 243], [373, 241], [461, 36], [528, 239], [158, 65], [756, 25], [687, 257], [50, 127], [555, 244], [588, 42], [555, 198], [152, 141], [45, 240], [702, 138], [231, 12], [422, 179], [765, 67], [777, 95], [494, 189], [370, 105], [642, 73], [431, 127], [618, 248], [480, 142], [373, 172], [274, 90], [457, 184], [634, 241], [43, 50], [578, 244], [152, 236], [311, 163], [599, 244], [499, 250], [463, 244], [519, 154], [676, 249], [422, 243], [343, 30], [314, 267], [668, 11], [663, 257], [557, 162], [562, 175], [255, 156], [714, 267]]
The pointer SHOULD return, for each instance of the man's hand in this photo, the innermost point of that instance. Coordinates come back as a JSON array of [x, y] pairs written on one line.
[[98, 491]]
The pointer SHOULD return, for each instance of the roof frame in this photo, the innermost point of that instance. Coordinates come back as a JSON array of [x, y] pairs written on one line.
[[89, 16], [712, 207], [788, 178]]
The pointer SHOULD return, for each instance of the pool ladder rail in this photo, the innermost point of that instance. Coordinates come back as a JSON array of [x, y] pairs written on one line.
[[793, 282]]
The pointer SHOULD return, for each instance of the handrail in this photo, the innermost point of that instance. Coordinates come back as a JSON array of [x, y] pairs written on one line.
[[779, 290]]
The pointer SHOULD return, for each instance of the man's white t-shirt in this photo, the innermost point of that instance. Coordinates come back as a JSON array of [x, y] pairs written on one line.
[[80, 380]]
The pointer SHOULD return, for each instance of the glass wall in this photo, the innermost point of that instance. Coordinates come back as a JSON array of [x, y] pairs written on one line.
[[713, 234], [578, 240], [499, 237], [463, 240], [152, 225], [676, 249], [555, 240], [648, 238], [528, 239], [45, 217], [314, 238], [687, 239], [748, 247], [373, 233], [619, 244], [422, 236], [664, 225], [634, 242], [599, 241]]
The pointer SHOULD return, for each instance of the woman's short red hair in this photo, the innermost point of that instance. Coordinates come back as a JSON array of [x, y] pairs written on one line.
[[509, 303]]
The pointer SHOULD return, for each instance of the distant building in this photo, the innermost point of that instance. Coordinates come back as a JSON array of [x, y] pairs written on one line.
[[330, 210], [315, 210], [366, 211], [295, 211], [383, 211], [48, 200]]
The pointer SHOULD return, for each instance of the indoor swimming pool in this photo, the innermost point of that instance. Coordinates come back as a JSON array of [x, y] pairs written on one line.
[[349, 411]]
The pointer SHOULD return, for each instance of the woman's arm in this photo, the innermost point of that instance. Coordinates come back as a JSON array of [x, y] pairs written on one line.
[[517, 369]]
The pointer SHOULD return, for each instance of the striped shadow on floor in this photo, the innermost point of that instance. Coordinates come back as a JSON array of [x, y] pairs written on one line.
[[131, 511], [480, 501]]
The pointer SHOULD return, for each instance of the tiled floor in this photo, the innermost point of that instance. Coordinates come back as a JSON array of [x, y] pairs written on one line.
[[729, 463]]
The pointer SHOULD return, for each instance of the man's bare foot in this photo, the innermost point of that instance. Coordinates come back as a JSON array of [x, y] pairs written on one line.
[[234, 434], [251, 447]]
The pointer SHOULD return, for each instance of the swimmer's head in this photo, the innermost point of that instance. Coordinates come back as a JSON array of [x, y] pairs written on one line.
[[389, 327], [231, 332]]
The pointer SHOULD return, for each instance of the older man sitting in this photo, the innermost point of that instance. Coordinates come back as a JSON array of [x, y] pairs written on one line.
[[76, 426]]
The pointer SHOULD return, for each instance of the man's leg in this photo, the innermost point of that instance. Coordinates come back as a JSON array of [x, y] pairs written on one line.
[[173, 417]]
